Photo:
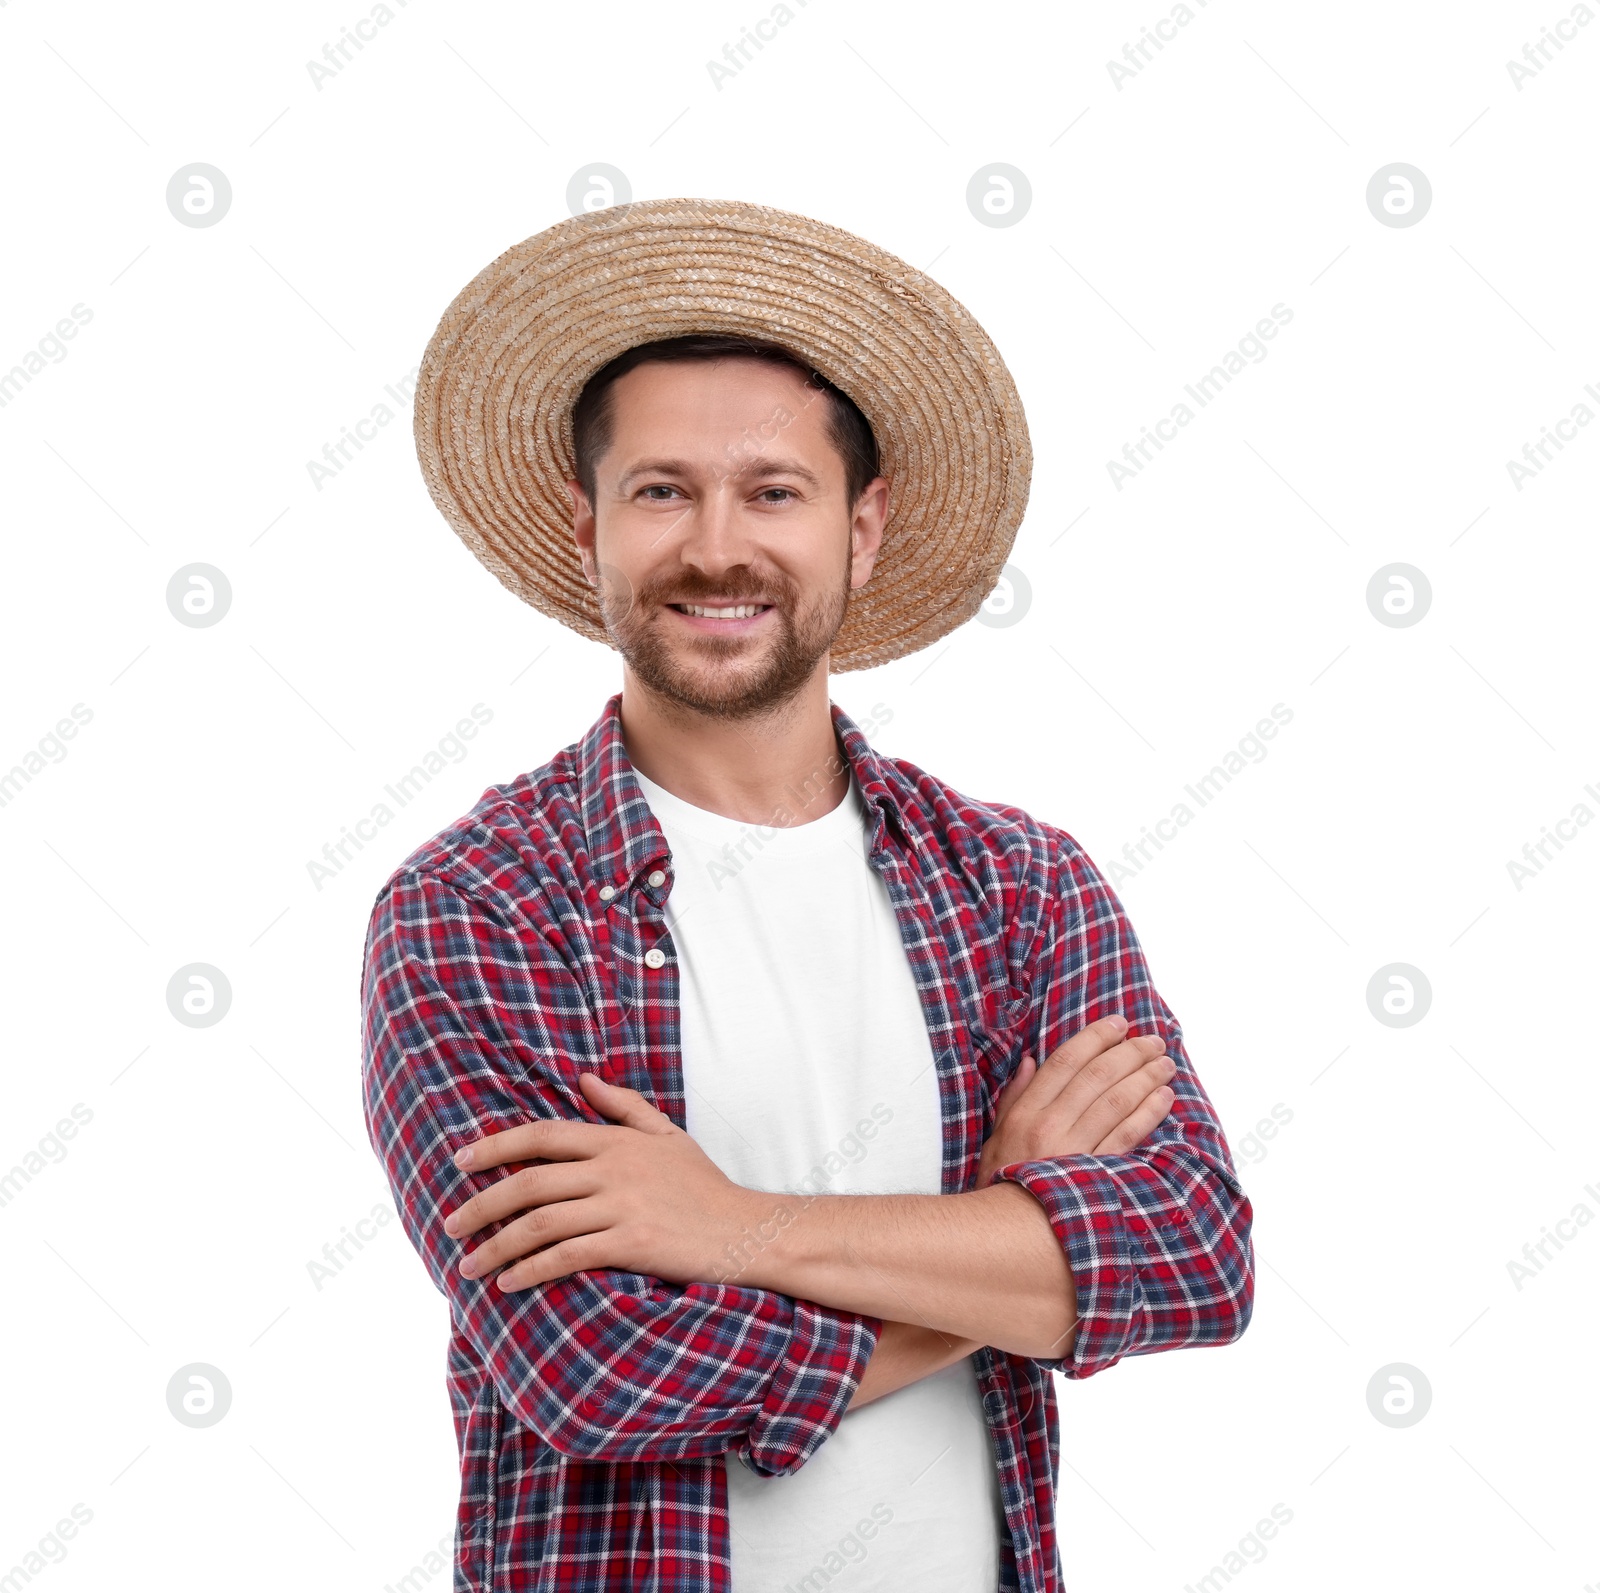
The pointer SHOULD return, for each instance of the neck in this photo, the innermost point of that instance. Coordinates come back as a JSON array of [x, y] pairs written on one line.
[[780, 767]]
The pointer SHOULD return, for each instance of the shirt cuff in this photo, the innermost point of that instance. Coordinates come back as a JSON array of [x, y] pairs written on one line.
[[826, 1359], [1084, 1205]]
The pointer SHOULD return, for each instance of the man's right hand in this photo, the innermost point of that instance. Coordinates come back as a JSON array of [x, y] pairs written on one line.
[[1097, 1094]]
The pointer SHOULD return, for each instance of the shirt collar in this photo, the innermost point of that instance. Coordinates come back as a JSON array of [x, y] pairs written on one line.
[[879, 781], [624, 838]]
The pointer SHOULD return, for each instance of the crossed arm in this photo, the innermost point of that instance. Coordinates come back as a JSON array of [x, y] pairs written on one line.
[[946, 1273], [952, 1272], [473, 1022]]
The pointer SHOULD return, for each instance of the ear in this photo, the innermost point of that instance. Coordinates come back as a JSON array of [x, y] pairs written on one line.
[[583, 528], [866, 529]]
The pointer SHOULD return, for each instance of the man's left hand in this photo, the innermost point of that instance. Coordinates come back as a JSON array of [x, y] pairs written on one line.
[[637, 1194]]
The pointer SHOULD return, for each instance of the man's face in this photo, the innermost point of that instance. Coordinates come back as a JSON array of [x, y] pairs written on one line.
[[722, 490]]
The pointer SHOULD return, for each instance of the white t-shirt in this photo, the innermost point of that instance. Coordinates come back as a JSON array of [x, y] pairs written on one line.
[[807, 1066]]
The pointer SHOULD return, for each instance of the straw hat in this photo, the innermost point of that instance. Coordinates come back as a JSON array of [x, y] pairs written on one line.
[[511, 354]]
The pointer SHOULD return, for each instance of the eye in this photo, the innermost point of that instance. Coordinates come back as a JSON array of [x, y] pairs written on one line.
[[787, 492], [659, 486]]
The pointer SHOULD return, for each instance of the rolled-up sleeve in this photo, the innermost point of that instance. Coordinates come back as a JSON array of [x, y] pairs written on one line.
[[472, 1024], [1158, 1240]]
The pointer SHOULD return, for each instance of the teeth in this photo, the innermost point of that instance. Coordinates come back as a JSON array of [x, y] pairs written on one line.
[[742, 611]]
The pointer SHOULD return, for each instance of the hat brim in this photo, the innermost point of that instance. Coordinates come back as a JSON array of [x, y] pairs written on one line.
[[493, 415]]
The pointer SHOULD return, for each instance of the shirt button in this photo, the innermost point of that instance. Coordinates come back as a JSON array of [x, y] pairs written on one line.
[[657, 878], [607, 892], [654, 957]]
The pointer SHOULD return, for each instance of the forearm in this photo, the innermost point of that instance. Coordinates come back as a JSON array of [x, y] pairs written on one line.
[[985, 1265], [906, 1354]]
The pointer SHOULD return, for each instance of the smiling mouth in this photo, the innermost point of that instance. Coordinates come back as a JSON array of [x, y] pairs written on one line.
[[732, 611]]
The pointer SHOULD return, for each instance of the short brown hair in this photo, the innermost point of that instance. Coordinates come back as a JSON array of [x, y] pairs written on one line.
[[848, 429]]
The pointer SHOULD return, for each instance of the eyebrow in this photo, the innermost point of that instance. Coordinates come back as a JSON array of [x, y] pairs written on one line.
[[756, 467]]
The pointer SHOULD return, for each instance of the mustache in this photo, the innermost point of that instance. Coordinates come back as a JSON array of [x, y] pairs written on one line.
[[773, 592]]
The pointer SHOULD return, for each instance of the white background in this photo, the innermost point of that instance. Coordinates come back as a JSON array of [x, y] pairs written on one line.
[[1168, 615]]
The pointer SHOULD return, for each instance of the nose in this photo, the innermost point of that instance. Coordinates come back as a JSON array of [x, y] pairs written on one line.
[[715, 535]]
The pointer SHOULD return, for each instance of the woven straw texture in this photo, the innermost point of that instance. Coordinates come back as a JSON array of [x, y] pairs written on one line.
[[493, 418]]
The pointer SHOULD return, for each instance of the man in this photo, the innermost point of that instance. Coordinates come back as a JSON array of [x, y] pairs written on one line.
[[798, 1230]]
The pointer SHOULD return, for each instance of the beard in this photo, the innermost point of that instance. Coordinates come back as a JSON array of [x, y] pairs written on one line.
[[722, 677]]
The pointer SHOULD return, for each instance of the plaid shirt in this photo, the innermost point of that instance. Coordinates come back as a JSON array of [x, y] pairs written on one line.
[[507, 954]]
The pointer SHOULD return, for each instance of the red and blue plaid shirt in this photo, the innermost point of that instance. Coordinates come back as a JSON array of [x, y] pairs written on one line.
[[507, 954]]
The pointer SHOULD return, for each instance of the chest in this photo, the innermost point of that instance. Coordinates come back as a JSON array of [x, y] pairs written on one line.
[[804, 1045], [767, 994]]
